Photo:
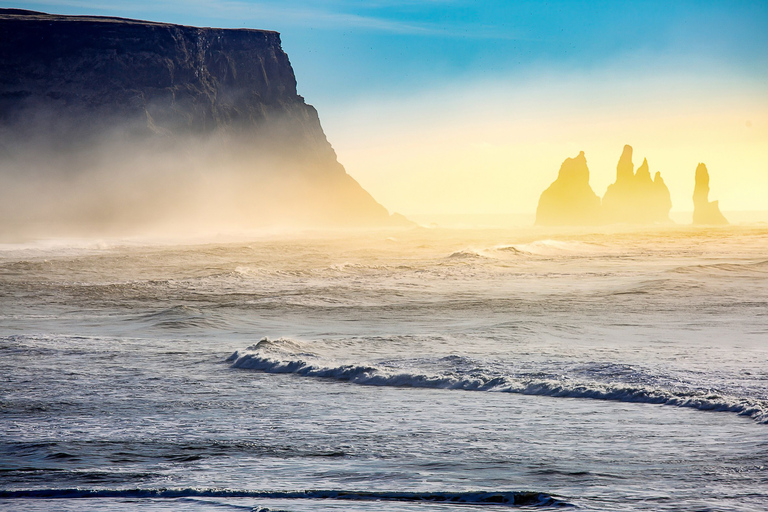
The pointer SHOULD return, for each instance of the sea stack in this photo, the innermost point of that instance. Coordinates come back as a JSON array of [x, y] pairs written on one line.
[[569, 200], [111, 122], [635, 198], [704, 210]]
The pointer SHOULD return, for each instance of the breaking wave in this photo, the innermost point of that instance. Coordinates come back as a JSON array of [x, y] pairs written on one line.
[[288, 356], [508, 498], [537, 249], [558, 248], [466, 254]]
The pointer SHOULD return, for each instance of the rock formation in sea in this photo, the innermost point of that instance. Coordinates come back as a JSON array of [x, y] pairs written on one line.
[[569, 200], [116, 122], [635, 198], [704, 210]]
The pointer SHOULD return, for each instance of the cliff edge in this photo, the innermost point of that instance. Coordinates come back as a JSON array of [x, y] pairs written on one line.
[[110, 123]]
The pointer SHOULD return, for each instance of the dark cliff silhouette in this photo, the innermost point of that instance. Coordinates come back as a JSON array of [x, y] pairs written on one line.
[[635, 198], [704, 210], [110, 121], [569, 200]]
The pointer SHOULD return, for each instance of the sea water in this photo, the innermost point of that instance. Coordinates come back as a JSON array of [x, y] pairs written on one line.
[[422, 369]]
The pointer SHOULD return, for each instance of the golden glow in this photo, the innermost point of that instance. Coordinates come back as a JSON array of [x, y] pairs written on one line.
[[493, 148]]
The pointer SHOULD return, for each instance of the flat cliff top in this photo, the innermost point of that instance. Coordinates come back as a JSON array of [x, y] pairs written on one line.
[[171, 123], [174, 78], [25, 15]]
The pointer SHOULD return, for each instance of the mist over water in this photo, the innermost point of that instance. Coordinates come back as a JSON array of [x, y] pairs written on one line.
[[191, 316], [124, 184], [118, 127], [381, 370]]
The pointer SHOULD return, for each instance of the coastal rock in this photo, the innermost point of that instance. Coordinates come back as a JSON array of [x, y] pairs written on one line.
[[119, 122], [704, 210], [569, 200], [635, 198]]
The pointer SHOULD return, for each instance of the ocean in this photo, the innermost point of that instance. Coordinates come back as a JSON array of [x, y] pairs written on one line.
[[419, 369]]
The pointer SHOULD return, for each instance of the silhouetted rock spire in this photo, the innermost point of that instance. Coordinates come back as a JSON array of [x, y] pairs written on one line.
[[635, 198], [643, 175], [704, 210], [625, 169], [569, 200]]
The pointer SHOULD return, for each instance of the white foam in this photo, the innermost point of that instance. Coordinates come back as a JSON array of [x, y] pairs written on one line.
[[281, 357], [557, 248]]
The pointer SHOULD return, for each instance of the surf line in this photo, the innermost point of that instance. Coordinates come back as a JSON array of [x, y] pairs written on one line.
[[508, 498], [371, 375]]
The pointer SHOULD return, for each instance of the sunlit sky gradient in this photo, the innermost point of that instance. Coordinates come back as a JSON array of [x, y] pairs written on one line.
[[470, 107]]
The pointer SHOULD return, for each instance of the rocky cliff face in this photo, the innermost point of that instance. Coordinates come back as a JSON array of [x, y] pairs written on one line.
[[135, 121], [635, 198], [569, 200], [704, 210]]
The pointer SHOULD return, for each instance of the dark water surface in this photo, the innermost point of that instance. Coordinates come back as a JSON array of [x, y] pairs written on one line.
[[413, 370]]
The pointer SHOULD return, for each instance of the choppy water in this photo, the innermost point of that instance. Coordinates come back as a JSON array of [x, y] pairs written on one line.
[[414, 370]]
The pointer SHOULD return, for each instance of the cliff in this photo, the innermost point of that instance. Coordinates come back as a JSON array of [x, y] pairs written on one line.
[[117, 122], [704, 210], [635, 198], [569, 200]]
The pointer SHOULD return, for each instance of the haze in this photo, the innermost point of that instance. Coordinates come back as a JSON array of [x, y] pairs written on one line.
[[453, 107]]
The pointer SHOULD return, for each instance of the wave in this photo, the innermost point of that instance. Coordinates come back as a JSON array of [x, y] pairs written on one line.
[[508, 498], [557, 248], [467, 254], [748, 270], [181, 317], [537, 249], [279, 356]]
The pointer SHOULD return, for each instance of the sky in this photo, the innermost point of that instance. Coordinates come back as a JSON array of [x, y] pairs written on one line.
[[458, 106]]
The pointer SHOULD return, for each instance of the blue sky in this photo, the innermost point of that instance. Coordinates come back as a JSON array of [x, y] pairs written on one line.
[[471, 106], [343, 48]]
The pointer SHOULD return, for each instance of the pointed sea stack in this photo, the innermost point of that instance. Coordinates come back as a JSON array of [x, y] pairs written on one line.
[[704, 210], [569, 200], [635, 198]]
